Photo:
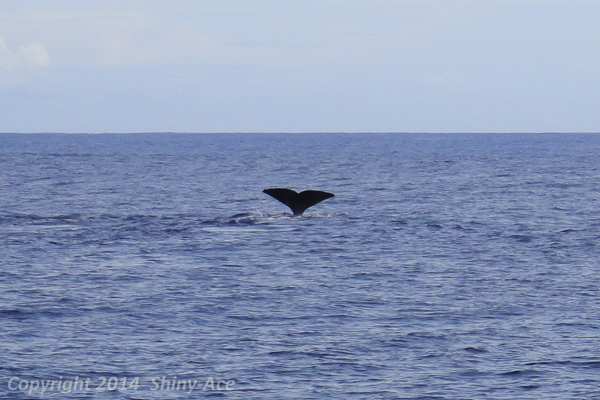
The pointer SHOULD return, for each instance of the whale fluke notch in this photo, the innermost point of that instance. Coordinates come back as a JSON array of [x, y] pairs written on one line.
[[298, 202]]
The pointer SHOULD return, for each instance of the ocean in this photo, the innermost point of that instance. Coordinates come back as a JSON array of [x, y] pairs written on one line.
[[447, 266]]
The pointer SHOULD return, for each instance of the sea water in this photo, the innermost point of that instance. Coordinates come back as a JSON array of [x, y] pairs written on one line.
[[447, 266]]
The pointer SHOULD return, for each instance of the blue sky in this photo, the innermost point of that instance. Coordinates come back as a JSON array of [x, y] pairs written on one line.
[[299, 65]]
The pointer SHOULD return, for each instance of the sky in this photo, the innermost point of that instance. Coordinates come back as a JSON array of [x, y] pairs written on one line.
[[300, 66]]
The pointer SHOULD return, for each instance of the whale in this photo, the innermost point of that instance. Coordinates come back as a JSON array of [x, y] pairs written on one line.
[[298, 202]]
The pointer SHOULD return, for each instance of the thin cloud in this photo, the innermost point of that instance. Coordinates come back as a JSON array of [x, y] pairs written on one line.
[[29, 56]]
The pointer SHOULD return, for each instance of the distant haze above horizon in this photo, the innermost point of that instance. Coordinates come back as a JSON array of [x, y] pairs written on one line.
[[300, 66]]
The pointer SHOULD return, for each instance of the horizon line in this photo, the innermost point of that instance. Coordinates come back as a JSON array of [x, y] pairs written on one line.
[[307, 133]]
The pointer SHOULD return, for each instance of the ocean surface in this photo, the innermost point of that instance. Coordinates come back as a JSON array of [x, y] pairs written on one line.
[[447, 266]]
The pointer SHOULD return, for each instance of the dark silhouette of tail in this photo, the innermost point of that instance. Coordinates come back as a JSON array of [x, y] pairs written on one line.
[[298, 202]]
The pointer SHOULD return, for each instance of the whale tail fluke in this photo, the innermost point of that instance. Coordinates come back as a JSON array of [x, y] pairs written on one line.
[[298, 202]]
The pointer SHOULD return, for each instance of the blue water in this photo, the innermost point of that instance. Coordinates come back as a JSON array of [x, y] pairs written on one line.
[[447, 266]]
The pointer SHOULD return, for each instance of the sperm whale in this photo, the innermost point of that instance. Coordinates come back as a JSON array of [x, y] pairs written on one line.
[[298, 202]]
